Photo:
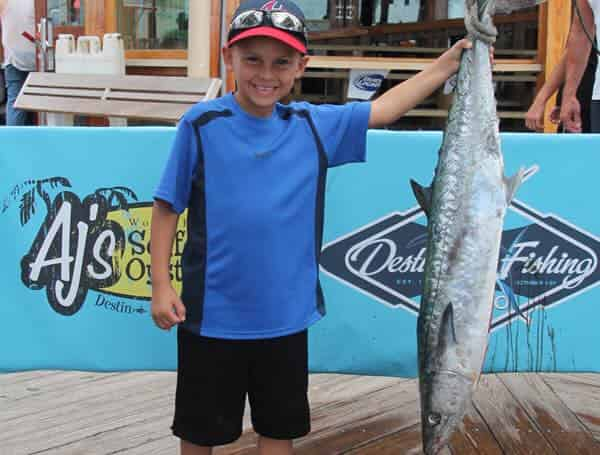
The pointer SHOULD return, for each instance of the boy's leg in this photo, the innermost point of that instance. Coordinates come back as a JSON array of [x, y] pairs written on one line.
[[211, 392], [187, 448], [278, 392], [268, 446]]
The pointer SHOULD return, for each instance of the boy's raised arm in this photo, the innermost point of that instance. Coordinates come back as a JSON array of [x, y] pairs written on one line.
[[167, 308], [394, 103]]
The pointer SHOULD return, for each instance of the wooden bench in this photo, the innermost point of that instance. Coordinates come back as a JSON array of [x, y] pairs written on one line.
[[151, 98]]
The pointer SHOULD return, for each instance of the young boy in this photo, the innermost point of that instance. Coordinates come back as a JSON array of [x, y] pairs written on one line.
[[251, 173]]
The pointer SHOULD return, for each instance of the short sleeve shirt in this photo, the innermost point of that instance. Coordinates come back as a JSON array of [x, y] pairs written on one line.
[[254, 190]]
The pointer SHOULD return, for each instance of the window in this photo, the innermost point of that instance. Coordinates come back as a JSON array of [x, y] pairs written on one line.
[[399, 11], [65, 12], [315, 12], [153, 24]]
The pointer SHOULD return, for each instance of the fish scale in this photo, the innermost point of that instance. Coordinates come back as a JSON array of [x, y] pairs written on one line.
[[465, 208]]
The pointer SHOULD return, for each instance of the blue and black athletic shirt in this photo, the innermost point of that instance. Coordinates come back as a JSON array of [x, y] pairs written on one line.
[[254, 190]]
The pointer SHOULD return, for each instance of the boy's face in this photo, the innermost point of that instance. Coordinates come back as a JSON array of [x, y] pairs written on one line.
[[265, 70]]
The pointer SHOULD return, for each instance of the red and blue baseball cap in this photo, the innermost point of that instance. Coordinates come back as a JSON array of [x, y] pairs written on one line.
[[282, 20]]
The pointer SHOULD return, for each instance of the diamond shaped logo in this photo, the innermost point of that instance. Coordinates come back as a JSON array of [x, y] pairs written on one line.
[[544, 262]]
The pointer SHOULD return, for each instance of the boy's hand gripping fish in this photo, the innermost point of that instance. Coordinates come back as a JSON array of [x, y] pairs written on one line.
[[465, 206]]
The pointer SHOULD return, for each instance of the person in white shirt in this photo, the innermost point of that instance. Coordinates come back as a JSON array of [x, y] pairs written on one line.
[[16, 17], [579, 44]]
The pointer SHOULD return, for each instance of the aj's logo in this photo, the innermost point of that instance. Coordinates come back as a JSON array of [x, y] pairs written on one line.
[[73, 251], [101, 242], [542, 263]]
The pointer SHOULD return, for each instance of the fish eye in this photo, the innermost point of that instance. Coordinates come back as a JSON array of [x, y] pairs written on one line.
[[434, 419]]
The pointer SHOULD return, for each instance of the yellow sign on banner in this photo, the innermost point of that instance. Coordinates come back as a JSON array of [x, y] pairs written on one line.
[[133, 267]]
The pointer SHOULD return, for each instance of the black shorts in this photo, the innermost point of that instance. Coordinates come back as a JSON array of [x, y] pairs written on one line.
[[214, 376]]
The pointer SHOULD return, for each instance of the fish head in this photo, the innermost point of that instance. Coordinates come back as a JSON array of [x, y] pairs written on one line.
[[444, 397]]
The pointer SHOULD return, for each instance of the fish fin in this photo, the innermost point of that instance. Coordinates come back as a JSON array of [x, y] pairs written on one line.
[[447, 330], [423, 196], [513, 183]]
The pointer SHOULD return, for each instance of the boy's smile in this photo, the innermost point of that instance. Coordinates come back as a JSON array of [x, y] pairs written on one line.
[[265, 70]]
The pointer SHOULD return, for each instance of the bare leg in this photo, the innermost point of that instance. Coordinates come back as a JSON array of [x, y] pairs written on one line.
[[268, 446], [187, 448]]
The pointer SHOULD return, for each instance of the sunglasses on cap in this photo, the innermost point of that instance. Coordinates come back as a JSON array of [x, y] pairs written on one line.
[[282, 20]]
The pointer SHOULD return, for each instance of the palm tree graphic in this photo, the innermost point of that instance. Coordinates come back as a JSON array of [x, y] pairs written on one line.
[[117, 196], [30, 190]]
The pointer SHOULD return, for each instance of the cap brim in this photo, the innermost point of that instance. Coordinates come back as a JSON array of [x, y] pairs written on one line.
[[271, 32]]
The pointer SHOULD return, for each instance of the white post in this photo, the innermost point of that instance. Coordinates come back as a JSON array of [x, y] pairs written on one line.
[[199, 39]]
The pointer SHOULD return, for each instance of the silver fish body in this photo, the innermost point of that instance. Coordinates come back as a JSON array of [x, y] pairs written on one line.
[[465, 206]]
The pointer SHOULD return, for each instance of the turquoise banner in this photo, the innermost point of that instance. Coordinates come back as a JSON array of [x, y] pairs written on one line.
[[75, 229]]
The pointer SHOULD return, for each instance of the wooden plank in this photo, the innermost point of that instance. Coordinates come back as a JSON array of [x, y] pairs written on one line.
[[8, 378], [50, 398], [416, 64], [215, 44], [72, 413], [157, 63], [149, 98], [474, 437], [581, 393], [169, 112], [406, 442], [162, 54], [429, 26], [348, 424], [110, 16], [66, 419], [157, 97], [554, 419], [230, 7], [138, 83], [510, 424], [406, 49], [67, 92], [159, 446], [337, 33], [94, 17], [38, 384], [343, 74]]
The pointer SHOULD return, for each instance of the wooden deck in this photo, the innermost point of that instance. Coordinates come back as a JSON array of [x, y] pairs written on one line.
[[47, 412]]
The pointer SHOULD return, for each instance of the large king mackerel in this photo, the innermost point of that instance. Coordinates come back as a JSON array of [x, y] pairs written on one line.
[[465, 206]]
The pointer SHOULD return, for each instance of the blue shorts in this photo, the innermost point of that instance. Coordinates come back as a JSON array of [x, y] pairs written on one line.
[[214, 376]]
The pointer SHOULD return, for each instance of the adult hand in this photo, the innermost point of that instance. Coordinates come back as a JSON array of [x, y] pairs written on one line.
[[570, 115], [167, 308], [534, 118], [555, 115]]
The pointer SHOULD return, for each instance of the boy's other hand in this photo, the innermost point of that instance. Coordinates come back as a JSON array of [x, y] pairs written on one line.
[[451, 58], [167, 308]]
